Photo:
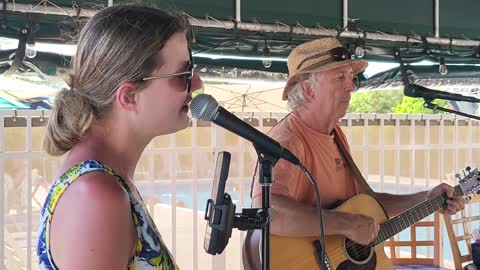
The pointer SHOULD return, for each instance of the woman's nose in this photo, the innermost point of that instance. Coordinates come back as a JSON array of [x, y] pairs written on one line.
[[197, 82]]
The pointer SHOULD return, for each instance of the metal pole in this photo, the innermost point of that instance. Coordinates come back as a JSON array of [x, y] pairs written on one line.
[[277, 28], [345, 14], [437, 18], [238, 10]]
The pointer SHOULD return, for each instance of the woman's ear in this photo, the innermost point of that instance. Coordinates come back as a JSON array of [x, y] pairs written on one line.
[[126, 96]]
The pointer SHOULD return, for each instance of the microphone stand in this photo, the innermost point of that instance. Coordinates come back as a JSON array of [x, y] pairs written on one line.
[[428, 104], [428, 99], [266, 163]]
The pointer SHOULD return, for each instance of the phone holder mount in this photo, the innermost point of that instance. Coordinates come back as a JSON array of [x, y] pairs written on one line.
[[222, 217], [249, 219]]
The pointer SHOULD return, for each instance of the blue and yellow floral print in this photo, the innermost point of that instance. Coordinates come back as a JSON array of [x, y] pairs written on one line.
[[151, 253]]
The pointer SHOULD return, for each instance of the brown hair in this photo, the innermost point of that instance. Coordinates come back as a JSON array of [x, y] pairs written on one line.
[[117, 45]]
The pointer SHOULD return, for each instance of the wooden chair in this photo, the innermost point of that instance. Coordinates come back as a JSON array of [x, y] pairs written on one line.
[[452, 224], [413, 243]]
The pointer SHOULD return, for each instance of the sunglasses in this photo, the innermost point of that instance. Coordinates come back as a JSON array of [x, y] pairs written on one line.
[[188, 74], [336, 54]]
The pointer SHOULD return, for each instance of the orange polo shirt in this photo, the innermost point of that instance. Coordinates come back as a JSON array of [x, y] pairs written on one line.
[[322, 158]]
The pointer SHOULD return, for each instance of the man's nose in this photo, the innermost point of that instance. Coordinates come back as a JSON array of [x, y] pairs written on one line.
[[349, 85]]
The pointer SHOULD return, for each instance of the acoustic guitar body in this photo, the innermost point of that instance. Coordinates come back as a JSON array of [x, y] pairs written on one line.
[[301, 253]]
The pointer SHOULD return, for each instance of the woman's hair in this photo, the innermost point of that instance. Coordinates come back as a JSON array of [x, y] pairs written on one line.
[[296, 97], [117, 45]]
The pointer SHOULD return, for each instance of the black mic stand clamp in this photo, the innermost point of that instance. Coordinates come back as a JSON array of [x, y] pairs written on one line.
[[250, 219]]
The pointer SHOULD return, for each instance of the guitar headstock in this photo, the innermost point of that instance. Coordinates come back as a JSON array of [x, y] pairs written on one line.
[[469, 182]]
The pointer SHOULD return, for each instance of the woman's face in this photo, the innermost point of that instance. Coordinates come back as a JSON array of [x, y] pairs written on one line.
[[163, 104]]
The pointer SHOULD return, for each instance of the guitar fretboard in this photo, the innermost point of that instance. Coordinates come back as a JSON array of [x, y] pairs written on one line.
[[413, 215]]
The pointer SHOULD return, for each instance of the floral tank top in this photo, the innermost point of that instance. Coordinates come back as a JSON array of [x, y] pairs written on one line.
[[150, 253]]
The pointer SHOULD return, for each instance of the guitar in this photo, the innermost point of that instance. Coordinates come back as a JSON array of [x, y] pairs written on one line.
[[304, 253]]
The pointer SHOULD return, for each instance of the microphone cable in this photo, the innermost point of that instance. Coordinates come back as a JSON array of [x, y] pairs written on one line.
[[320, 216]]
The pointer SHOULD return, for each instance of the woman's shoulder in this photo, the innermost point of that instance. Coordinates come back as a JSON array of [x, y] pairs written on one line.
[[92, 193], [89, 187], [95, 214]]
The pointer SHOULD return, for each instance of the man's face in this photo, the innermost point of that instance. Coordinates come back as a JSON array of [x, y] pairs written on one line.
[[332, 91]]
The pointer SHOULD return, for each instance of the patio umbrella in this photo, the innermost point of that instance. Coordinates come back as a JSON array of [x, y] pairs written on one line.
[[243, 90]]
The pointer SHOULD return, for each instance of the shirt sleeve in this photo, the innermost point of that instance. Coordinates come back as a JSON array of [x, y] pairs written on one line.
[[286, 176]]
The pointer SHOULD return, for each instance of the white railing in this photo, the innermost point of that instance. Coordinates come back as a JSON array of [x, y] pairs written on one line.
[[397, 153]]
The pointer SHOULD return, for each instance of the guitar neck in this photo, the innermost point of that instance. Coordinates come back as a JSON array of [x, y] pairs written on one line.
[[411, 216]]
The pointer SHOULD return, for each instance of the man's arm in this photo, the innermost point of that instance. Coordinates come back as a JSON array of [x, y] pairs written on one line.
[[396, 204], [291, 218]]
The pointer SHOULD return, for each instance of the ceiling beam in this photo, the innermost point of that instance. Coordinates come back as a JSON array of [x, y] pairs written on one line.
[[272, 28]]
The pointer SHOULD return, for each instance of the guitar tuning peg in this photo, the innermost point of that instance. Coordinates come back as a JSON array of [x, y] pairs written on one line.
[[468, 168]]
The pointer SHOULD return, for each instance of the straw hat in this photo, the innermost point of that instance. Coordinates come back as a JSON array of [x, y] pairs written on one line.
[[318, 55]]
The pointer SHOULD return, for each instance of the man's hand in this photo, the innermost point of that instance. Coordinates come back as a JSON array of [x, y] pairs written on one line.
[[454, 203], [363, 229]]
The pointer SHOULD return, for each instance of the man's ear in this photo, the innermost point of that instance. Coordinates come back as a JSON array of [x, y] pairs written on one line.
[[307, 90], [126, 96]]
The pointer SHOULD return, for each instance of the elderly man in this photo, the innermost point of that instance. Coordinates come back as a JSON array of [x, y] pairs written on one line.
[[318, 91]]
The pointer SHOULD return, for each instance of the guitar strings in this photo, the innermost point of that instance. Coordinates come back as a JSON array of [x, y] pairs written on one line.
[[350, 244], [340, 250]]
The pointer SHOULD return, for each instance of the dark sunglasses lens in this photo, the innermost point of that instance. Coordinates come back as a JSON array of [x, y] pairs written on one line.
[[340, 54]]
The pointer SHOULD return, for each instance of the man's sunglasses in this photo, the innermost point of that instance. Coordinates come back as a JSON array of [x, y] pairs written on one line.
[[336, 54], [188, 74]]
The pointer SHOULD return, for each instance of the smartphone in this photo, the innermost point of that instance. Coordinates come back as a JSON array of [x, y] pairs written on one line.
[[215, 235], [220, 177]]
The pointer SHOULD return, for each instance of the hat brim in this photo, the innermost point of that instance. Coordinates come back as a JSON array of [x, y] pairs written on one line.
[[357, 67]]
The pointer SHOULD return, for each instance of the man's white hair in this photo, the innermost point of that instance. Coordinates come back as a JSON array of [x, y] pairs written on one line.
[[296, 97]]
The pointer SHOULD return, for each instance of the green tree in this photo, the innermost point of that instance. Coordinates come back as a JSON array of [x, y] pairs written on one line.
[[389, 101], [379, 101]]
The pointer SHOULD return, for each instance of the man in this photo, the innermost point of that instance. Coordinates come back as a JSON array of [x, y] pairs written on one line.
[[318, 91]]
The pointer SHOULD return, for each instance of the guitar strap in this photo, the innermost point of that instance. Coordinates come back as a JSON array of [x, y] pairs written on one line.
[[356, 172]]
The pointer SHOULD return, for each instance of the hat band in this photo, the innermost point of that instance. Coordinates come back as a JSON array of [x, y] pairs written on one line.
[[323, 62], [337, 54]]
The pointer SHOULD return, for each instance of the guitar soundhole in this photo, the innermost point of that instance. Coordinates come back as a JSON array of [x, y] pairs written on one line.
[[356, 251]]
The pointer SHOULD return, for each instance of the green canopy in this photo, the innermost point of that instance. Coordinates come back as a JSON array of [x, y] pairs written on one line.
[[418, 29]]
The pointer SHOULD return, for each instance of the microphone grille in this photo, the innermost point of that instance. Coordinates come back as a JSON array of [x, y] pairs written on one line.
[[203, 107]]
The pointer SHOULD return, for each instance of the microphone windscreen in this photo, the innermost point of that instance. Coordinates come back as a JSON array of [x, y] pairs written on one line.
[[203, 107]]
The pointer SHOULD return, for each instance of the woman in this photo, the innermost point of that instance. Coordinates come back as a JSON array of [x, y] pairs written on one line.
[[131, 80]]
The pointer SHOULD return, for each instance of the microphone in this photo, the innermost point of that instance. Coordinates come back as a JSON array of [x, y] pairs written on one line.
[[205, 107], [415, 90]]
